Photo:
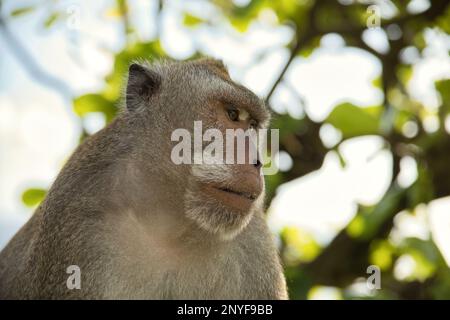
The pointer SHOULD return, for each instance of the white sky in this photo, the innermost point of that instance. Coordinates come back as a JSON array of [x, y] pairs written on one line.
[[38, 129]]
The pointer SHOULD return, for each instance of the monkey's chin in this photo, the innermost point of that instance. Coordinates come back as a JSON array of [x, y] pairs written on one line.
[[218, 212]]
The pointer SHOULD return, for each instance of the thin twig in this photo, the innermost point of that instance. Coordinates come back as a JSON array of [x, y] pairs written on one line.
[[22, 54]]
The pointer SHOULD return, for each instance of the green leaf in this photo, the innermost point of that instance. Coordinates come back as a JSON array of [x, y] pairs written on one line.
[[422, 190], [377, 82], [426, 255], [427, 248], [312, 45], [354, 121], [191, 21], [356, 227], [51, 19], [21, 11], [342, 161], [443, 21], [240, 24], [33, 196], [443, 87], [299, 246], [369, 220], [94, 103], [382, 252], [404, 73]]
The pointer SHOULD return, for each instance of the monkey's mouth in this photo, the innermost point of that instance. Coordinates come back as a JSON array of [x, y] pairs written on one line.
[[241, 199], [246, 195]]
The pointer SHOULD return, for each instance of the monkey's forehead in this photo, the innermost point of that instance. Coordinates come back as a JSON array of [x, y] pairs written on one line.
[[219, 84], [233, 92], [165, 66], [215, 66]]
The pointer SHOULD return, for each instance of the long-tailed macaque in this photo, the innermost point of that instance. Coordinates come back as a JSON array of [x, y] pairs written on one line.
[[133, 224]]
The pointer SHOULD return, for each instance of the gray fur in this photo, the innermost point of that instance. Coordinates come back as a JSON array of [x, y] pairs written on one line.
[[134, 222]]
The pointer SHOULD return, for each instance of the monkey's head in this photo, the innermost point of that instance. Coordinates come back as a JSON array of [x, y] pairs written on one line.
[[220, 192]]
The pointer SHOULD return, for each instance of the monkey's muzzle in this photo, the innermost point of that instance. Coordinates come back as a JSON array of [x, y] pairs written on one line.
[[239, 193]]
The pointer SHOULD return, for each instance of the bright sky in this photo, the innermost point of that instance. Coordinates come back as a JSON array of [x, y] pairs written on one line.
[[38, 130]]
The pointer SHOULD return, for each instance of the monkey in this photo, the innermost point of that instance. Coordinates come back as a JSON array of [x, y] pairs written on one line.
[[138, 226]]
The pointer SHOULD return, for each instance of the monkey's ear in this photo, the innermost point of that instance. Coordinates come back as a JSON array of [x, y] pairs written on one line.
[[142, 84]]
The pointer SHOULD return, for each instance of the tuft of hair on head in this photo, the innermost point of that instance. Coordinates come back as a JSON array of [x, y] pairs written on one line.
[[214, 65], [143, 82]]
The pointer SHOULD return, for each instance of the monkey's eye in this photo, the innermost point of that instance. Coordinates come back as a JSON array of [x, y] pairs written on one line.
[[233, 114], [236, 114]]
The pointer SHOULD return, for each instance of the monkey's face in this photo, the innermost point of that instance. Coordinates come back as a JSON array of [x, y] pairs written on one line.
[[221, 181], [226, 186]]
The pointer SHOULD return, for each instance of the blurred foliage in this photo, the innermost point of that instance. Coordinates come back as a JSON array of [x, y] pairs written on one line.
[[368, 238], [355, 121], [33, 196]]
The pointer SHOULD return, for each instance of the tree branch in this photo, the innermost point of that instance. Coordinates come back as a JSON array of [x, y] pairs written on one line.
[[431, 13], [35, 71]]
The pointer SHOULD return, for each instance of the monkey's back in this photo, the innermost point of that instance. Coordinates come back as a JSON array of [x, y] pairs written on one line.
[[15, 263], [64, 228]]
